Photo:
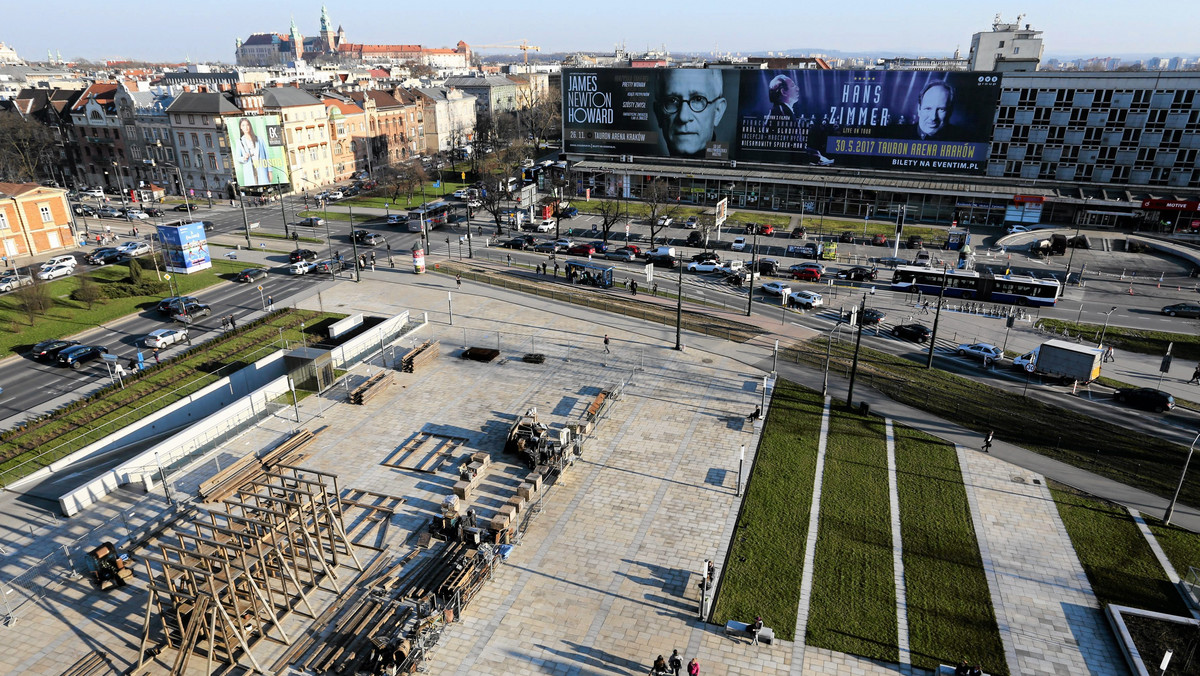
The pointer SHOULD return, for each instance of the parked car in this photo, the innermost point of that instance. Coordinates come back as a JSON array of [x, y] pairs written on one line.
[[805, 274], [986, 352], [94, 192], [367, 238], [738, 244], [134, 249], [846, 237], [83, 210], [1146, 398], [581, 250], [776, 289], [547, 225], [55, 272], [798, 232], [1182, 310], [637, 250], [76, 355], [664, 221], [250, 275], [600, 246], [621, 254], [858, 273], [695, 238], [518, 243], [108, 212], [49, 349], [568, 212], [397, 219], [760, 228], [60, 260], [879, 240], [153, 211], [350, 191], [298, 255], [916, 332], [161, 338], [173, 304], [805, 299], [183, 207], [13, 280], [104, 256], [192, 310], [564, 243], [1015, 228], [313, 221], [766, 266]]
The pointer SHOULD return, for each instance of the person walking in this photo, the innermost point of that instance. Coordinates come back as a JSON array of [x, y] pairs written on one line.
[[694, 667], [270, 303], [675, 663], [633, 287], [606, 350], [509, 257], [1195, 376], [458, 280], [556, 270], [156, 361], [660, 667], [755, 628], [232, 322], [224, 323], [1108, 354], [987, 442]]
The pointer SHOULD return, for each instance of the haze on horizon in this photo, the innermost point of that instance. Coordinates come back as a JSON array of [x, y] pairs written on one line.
[[140, 31]]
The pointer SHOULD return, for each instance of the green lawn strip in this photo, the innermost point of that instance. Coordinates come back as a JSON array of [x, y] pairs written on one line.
[[60, 433], [1124, 339], [762, 571], [950, 614], [853, 593], [273, 235], [67, 317], [1107, 448], [1117, 559], [1181, 546]]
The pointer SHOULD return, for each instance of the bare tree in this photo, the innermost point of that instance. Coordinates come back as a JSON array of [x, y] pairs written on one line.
[[33, 298], [25, 146], [89, 291], [611, 213], [493, 199], [540, 117], [659, 199]]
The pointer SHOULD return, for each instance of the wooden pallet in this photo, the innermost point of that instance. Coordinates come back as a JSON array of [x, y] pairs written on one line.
[[420, 356], [373, 386], [250, 468], [425, 452], [370, 528]]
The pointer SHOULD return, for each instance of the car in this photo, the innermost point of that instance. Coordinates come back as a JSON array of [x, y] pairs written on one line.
[[298, 255], [161, 338], [1016, 228], [581, 250], [1182, 310], [461, 193], [314, 221], [599, 245], [518, 243], [776, 289], [328, 266], [299, 267], [695, 238], [916, 242], [879, 240], [767, 266], [397, 219], [637, 250], [208, 226], [49, 349], [891, 261], [916, 332], [805, 299], [621, 254], [136, 215], [707, 265], [547, 225], [474, 203], [814, 265], [350, 191], [986, 352], [60, 260], [336, 194], [183, 207], [171, 305], [13, 280], [55, 272], [1146, 398], [738, 244], [153, 211], [133, 249], [692, 222], [546, 247], [564, 243], [190, 310], [94, 192], [76, 355], [568, 212], [870, 316], [805, 273], [707, 256], [858, 273], [250, 275], [663, 261], [104, 256], [367, 238], [798, 232], [760, 228], [846, 237], [108, 212], [664, 221], [83, 210]]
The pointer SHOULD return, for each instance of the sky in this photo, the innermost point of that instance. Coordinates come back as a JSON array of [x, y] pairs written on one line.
[[166, 31]]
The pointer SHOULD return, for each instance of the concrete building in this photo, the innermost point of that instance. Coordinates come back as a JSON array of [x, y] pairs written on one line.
[[197, 123], [305, 134], [348, 134], [493, 93], [34, 220], [395, 126], [101, 159], [449, 117], [148, 138], [1008, 48]]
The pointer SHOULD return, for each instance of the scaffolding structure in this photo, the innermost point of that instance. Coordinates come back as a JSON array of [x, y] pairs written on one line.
[[220, 586]]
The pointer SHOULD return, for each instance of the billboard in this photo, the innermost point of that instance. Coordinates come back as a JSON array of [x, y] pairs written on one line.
[[184, 247], [907, 120], [256, 144]]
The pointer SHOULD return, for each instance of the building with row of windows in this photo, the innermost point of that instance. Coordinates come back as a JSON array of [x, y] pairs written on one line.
[[34, 219]]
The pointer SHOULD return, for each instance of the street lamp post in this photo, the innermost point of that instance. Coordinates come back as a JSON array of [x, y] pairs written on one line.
[[1179, 487], [1105, 330], [1067, 276], [753, 267], [936, 318], [679, 310]]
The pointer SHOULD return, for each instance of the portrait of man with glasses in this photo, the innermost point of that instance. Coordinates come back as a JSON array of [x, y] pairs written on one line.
[[690, 105]]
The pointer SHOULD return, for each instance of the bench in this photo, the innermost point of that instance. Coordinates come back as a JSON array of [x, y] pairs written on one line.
[[735, 628]]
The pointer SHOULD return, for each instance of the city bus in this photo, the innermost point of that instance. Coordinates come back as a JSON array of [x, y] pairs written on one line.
[[978, 285], [432, 213]]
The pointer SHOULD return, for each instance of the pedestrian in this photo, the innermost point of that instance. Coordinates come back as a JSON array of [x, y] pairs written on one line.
[[224, 323], [694, 667], [509, 257], [156, 361], [675, 663], [918, 296], [712, 569], [232, 322], [270, 303], [372, 260], [963, 668], [987, 442], [633, 287], [660, 667], [556, 270], [458, 280], [606, 350], [1109, 356], [755, 627]]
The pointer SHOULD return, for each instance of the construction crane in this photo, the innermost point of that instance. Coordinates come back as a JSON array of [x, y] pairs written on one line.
[[523, 45]]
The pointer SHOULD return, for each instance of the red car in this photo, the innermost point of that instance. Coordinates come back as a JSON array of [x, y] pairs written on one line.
[[879, 240], [582, 250], [807, 274]]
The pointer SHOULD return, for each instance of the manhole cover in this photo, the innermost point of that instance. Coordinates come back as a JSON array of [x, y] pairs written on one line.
[[1018, 480], [706, 360]]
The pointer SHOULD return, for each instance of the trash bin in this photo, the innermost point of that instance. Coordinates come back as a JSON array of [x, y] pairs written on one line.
[[864, 408]]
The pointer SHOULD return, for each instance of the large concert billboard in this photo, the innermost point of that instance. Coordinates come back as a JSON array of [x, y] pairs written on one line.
[[908, 120]]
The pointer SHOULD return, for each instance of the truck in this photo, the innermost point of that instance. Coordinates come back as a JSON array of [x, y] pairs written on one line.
[[1069, 362]]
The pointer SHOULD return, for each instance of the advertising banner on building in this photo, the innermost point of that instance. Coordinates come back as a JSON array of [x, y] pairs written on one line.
[[256, 144], [909, 120], [184, 247]]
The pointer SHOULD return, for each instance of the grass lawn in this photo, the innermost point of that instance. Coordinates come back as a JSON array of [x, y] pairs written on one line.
[[1097, 445], [1181, 546], [853, 594], [90, 419], [761, 575], [950, 612], [1187, 345], [67, 317], [1116, 557], [273, 235]]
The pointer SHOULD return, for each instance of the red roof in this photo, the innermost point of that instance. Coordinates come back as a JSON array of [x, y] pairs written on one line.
[[346, 107], [105, 93], [16, 189]]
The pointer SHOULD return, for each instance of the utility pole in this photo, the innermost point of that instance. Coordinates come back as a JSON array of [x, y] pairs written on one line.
[[245, 218], [679, 310], [857, 342], [354, 246], [753, 267], [936, 317]]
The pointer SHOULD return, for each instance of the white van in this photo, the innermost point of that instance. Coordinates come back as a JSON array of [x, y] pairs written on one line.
[[661, 251]]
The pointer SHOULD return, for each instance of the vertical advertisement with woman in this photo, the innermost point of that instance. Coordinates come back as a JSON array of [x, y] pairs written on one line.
[[256, 144]]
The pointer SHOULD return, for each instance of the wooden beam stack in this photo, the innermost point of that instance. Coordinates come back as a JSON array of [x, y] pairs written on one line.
[[374, 385], [252, 467], [419, 356]]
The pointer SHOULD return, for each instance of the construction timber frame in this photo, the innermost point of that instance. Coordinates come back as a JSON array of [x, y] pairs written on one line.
[[219, 586]]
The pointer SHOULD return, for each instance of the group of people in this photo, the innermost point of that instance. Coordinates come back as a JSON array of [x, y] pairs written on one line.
[[673, 665], [966, 669], [229, 322]]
